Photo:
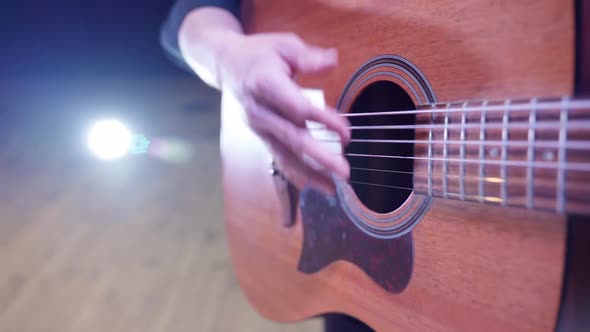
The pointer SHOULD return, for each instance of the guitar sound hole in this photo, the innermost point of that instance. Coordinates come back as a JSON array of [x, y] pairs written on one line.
[[382, 184]]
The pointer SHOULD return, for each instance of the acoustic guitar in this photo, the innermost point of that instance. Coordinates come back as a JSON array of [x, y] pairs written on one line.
[[467, 207]]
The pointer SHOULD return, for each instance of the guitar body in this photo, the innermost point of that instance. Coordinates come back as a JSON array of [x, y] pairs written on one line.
[[453, 265]]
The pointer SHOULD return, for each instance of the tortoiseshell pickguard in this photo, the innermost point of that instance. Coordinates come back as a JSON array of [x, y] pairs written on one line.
[[329, 235]]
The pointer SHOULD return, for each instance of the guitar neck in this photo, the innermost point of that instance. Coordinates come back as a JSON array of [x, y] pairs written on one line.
[[533, 154]]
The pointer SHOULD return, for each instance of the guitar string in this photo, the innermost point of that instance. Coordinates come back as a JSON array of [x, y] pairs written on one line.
[[572, 166], [580, 124], [490, 179], [477, 179], [381, 185], [581, 145], [473, 197], [467, 179], [557, 105], [578, 145]]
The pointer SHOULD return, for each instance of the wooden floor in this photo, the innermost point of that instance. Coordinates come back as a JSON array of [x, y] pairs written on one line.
[[134, 245]]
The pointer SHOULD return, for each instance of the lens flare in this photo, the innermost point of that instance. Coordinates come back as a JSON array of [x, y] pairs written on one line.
[[109, 139], [171, 150]]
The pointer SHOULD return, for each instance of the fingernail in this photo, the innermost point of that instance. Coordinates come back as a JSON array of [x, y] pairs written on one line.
[[330, 56], [345, 169], [347, 138], [332, 53]]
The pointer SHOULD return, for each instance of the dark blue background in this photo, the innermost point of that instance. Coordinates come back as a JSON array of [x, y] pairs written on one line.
[[64, 64], [83, 39]]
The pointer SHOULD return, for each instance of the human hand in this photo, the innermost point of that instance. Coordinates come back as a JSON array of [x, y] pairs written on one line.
[[260, 70]]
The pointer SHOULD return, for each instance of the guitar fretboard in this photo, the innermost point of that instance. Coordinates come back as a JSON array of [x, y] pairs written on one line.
[[533, 153]]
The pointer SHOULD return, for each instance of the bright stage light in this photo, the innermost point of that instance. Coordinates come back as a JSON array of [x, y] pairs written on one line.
[[109, 139]]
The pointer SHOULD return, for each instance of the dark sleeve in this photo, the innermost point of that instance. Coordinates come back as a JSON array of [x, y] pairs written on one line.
[[169, 30]]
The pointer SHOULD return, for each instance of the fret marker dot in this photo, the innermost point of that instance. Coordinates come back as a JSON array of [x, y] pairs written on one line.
[[494, 152], [548, 155]]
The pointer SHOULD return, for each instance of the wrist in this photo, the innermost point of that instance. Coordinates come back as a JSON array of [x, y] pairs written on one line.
[[225, 55], [204, 35]]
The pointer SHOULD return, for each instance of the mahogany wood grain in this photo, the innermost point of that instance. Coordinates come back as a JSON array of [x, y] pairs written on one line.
[[477, 267], [509, 281], [468, 49]]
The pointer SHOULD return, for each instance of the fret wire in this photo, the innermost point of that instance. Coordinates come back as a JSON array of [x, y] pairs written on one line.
[[531, 156], [504, 189], [462, 155], [482, 137], [445, 153], [430, 138], [561, 158]]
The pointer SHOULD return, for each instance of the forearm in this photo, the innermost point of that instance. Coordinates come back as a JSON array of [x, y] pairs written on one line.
[[204, 34]]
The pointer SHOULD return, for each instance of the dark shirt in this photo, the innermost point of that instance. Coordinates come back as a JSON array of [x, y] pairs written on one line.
[[169, 31]]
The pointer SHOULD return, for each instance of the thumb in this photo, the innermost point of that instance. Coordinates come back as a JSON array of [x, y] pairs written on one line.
[[304, 58]]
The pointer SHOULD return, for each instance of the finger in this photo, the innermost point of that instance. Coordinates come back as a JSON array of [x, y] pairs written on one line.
[[330, 161], [300, 174], [297, 140], [303, 57], [319, 59], [333, 121], [280, 93]]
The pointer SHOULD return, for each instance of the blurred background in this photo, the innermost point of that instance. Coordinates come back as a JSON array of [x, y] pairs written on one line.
[[130, 245]]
